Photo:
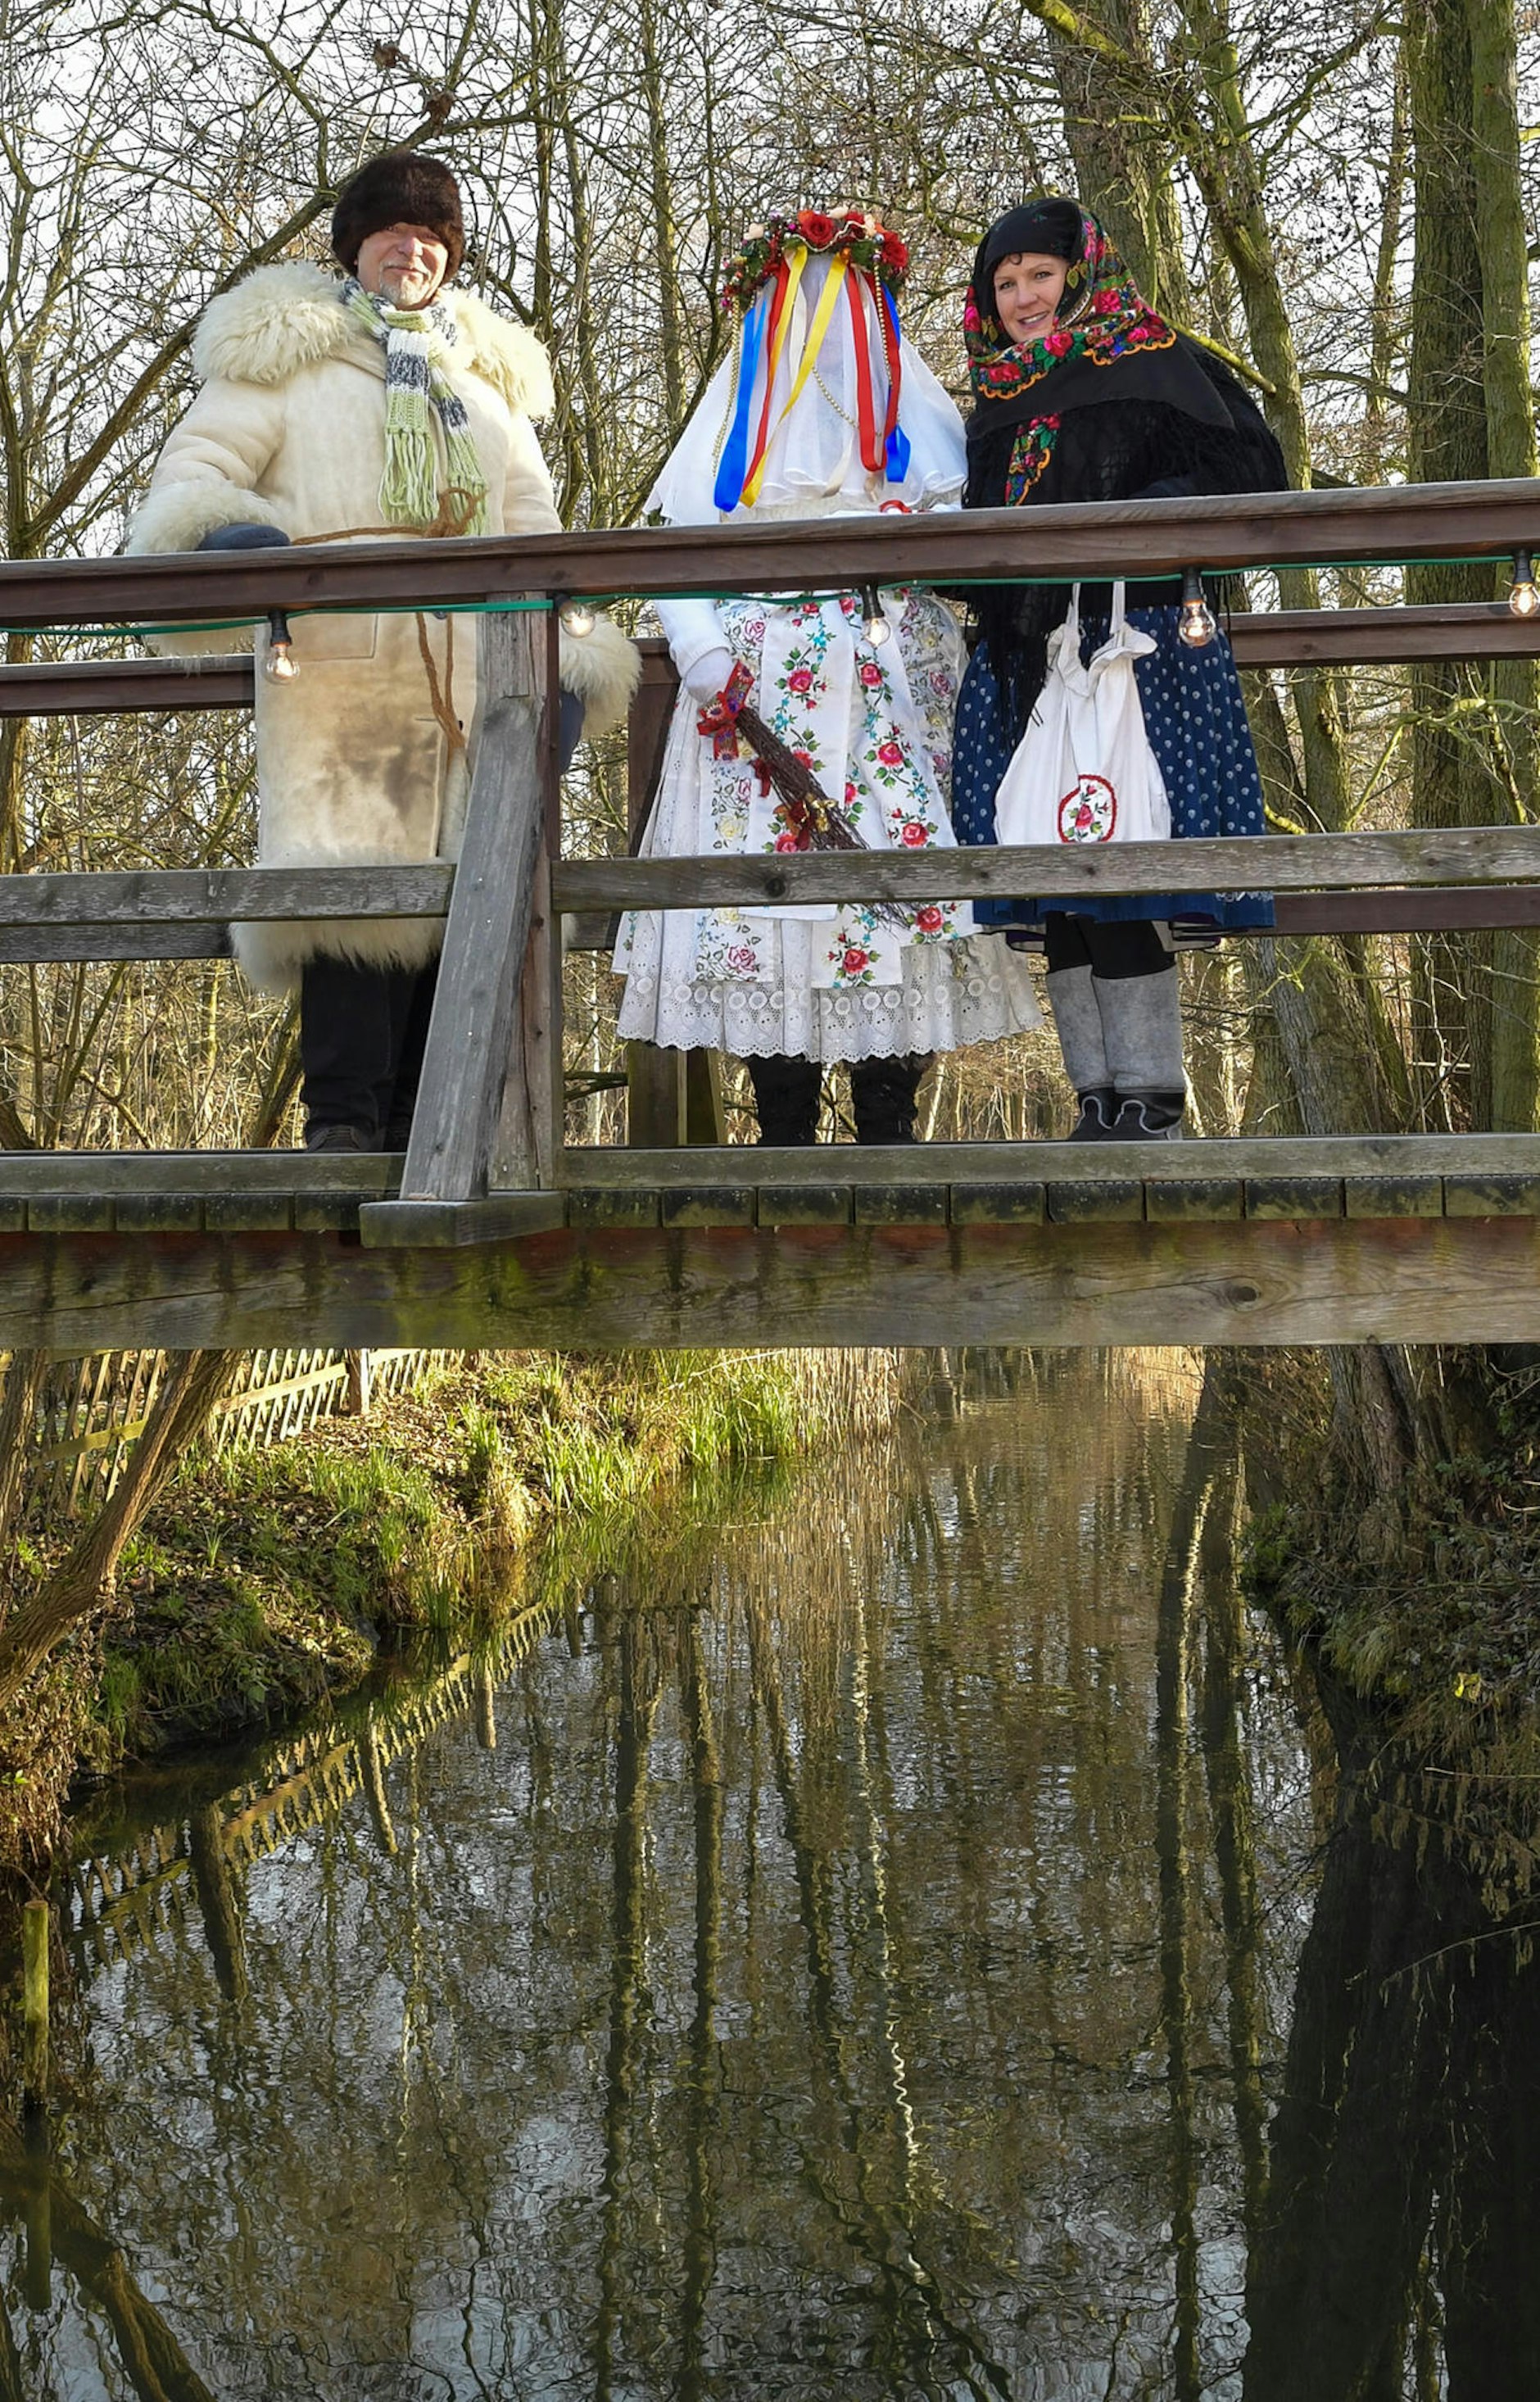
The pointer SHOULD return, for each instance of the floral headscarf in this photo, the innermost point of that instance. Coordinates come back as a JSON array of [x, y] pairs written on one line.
[[1103, 317]]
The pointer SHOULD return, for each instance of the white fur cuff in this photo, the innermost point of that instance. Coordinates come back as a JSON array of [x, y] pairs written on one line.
[[178, 516], [604, 669]]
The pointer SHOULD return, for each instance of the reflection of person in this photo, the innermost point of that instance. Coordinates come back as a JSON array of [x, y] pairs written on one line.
[[822, 411], [367, 408], [1081, 392]]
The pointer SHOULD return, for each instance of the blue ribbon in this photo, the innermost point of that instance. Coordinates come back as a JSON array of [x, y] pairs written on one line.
[[735, 457], [898, 441]]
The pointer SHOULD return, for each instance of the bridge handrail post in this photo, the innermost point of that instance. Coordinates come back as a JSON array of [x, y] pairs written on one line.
[[527, 1141], [466, 1063]]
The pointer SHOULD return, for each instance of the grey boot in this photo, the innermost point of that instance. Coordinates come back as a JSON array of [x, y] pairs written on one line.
[[1142, 1030], [1072, 998]]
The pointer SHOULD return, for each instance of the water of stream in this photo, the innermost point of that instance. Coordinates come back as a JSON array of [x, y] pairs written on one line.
[[920, 1938]]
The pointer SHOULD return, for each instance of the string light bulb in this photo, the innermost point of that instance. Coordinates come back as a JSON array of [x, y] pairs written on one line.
[[876, 627], [280, 666], [577, 617], [1523, 598], [1198, 624]]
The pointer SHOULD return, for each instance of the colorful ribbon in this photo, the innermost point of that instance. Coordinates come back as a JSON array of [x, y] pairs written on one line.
[[897, 443], [740, 477], [735, 457]]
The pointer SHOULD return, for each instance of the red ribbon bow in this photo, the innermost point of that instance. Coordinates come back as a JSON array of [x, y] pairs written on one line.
[[720, 717]]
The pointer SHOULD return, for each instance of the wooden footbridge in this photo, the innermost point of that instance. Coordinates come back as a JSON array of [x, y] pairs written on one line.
[[492, 1231]]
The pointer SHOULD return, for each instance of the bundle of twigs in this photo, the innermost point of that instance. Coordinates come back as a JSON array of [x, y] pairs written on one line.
[[811, 819]]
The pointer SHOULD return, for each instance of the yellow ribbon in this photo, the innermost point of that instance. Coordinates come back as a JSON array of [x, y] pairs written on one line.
[[821, 318]]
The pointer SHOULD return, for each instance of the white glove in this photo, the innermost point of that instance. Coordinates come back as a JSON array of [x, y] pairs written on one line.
[[706, 679]]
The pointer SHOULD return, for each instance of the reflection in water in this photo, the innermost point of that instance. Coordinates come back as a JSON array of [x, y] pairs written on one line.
[[884, 1950]]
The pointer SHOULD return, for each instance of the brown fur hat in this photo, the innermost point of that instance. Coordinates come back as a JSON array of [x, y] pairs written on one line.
[[399, 187]]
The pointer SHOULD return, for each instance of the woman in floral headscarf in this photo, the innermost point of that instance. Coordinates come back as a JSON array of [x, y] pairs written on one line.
[[822, 409], [1082, 393]]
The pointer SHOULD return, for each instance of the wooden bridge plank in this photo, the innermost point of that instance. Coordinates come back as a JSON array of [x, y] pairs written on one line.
[[998, 1204], [214, 895], [1219, 862], [160, 1213], [1330, 1280], [1293, 1196], [1387, 910], [435, 1225], [1393, 1196], [1103, 1201], [1194, 1197], [615, 1205], [1009, 1163], [1492, 1197], [709, 1205], [804, 1205], [1258, 638], [65, 687], [115, 1172], [22, 945], [1134, 538], [900, 1205]]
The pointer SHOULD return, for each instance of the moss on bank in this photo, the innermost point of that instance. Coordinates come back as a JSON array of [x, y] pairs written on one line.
[[1425, 1602], [266, 1579]]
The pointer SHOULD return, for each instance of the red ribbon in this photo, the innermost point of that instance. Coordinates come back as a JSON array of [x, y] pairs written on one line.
[[720, 717], [891, 353], [873, 449]]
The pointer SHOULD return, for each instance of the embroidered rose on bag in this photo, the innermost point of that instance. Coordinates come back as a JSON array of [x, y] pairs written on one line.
[[914, 836], [1090, 812], [929, 919]]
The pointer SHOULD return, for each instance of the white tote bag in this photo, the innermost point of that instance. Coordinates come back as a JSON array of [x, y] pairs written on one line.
[[1084, 771]]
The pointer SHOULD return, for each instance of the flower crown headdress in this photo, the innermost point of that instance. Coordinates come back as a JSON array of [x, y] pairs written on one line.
[[859, 237], [866, 266]]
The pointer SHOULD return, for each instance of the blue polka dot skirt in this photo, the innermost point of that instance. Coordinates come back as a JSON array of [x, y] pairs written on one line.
[[1196, 721]]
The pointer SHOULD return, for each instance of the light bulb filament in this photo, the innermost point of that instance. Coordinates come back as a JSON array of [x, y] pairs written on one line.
[[280, 666], [876, 627], [1197, 625]]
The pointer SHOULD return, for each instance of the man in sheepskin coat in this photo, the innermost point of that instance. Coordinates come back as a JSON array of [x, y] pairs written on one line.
[[366, 408]]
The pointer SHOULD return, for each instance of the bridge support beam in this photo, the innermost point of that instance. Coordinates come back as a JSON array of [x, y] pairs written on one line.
[[1416, 1278]]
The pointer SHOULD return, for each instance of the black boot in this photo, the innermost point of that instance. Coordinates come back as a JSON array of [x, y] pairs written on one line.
[[1147, 1117], [883, 1094], [414, 1008], [786, 1094], [1098, 1114], [347, 1040]]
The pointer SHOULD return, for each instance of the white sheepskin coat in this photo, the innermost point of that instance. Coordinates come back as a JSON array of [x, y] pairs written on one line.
[[353, 767]]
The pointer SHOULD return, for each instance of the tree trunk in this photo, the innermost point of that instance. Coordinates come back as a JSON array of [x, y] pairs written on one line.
[[85, 1577]]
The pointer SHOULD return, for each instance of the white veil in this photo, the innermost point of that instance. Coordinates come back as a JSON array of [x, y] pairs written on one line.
[[813, 460]]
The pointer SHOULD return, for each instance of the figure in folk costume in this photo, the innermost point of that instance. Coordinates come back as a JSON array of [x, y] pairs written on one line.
[[1082, 393], [366, 408], [823, 410]]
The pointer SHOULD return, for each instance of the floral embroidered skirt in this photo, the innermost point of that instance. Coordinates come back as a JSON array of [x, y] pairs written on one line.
[[1196, 721], [875, 724]]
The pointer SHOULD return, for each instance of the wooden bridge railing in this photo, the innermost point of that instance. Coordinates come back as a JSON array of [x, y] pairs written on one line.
[[490, 1118]]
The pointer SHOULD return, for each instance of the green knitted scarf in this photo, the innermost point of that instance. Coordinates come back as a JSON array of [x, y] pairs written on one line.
[[415, 342]]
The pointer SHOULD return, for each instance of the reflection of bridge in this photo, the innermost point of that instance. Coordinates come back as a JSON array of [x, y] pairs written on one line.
[[119, 1899], [491, 1230]]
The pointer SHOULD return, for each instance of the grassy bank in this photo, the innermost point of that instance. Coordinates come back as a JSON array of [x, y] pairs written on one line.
[[265, 1579]]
